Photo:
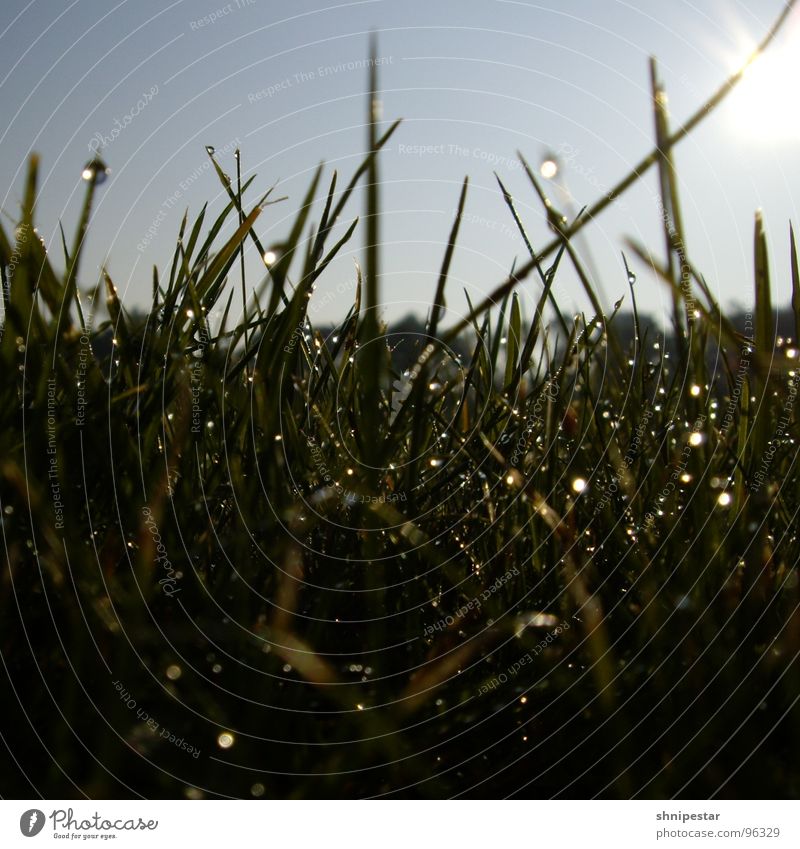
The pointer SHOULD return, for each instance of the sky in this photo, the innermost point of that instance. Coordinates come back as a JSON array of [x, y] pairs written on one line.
[[150, 84]]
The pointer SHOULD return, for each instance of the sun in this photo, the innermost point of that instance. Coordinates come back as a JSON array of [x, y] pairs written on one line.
[[765, 101]]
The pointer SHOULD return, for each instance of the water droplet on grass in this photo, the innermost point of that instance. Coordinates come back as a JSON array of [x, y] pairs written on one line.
[[225, 740], [548, 169], [95, 171], [579, 484]]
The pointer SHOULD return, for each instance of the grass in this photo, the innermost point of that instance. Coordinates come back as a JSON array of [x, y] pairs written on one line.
[[235, 564]]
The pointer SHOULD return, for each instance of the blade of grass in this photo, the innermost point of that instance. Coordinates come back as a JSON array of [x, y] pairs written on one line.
[[637, 172], [438, 300], [795, 286]]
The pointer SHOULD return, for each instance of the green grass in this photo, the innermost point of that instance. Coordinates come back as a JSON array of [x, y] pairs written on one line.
[[238, 528]]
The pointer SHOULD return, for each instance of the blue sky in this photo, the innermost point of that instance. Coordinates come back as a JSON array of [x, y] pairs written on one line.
[[474, 81]]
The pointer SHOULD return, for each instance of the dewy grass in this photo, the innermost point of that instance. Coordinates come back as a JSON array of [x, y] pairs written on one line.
[[280, 558]]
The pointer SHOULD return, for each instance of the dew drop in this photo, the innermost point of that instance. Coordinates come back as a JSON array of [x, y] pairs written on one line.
[[225, 740], [95, 171], [548, 169], [579, 484]]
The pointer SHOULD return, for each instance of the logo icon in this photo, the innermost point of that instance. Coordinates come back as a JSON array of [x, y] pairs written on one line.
[[31, 822], [402, 389]]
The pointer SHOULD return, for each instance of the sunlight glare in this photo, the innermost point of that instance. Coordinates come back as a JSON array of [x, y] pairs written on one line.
[[763, 102]]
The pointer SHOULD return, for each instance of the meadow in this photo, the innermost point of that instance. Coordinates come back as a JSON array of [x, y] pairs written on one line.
[[533, 555]]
